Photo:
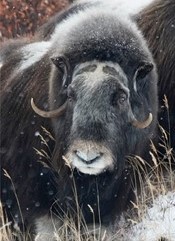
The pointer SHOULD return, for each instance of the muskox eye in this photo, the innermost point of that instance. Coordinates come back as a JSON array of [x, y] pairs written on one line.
[[119, 98], [122, 98]]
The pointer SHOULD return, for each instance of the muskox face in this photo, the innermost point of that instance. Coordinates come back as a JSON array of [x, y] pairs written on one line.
[[102, 129], [99, 99]]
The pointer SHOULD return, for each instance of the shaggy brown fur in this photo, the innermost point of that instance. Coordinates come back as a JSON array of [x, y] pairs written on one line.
[[158, 25]]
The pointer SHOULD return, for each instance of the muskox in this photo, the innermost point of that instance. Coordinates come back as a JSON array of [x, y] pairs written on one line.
[[89, 80]]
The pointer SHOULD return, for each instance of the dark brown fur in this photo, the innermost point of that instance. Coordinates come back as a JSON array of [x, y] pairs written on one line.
[[158, 25]]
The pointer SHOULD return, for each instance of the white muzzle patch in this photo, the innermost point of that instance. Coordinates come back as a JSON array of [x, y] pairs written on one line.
[[89, 157]]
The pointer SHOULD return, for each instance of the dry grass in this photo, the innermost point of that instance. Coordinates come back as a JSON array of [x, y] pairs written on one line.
[[159, 180], [155, 179]]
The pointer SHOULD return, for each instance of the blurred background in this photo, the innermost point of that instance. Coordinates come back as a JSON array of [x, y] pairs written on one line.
[[20, 17]]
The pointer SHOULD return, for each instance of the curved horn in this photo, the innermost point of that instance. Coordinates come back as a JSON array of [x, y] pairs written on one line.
[[143, 124], [48, 114]]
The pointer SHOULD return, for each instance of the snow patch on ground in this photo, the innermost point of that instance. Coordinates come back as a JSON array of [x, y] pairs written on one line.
[[159, 221], [157, 224]]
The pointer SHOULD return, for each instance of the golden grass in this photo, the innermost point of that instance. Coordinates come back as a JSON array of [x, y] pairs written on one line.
[[155, 179]]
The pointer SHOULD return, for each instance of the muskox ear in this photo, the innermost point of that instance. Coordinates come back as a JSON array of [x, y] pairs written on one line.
[[143, 69], [62, 63]]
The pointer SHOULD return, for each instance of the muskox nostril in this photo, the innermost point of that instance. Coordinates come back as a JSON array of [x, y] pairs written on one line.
[[88, 157]]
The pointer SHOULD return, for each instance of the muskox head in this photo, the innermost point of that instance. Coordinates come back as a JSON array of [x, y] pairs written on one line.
[[100, 125]]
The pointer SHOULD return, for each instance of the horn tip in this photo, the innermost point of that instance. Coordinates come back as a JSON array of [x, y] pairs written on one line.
[[144, 124], [32, 103], [151, 116]]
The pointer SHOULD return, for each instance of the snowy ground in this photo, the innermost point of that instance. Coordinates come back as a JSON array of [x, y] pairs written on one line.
[[158, 223]]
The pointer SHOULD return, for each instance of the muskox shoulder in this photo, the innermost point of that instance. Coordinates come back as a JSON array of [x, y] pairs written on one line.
[[33, 53], [17, 56], [10, 58]]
